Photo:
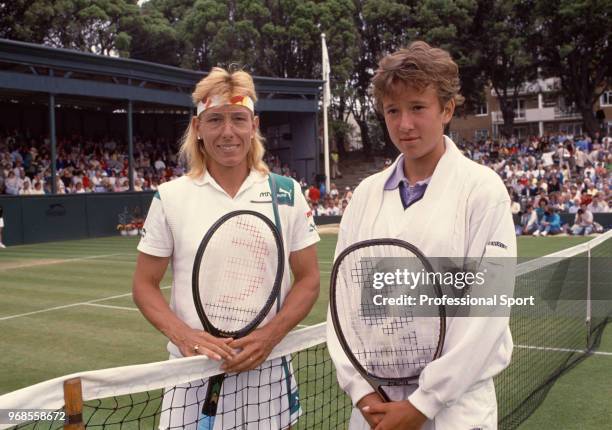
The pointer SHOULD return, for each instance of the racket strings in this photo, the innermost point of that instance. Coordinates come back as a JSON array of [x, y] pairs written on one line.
[[251, 239], [390, 358], [238, 272], [389, 341]]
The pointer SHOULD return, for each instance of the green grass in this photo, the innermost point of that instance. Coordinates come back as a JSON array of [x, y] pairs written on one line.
[[85, 336]]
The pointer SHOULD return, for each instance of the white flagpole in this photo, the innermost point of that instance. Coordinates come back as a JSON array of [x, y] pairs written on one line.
[[326, 103]]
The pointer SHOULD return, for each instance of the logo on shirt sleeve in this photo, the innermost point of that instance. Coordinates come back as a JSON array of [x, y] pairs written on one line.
[[498, 244]]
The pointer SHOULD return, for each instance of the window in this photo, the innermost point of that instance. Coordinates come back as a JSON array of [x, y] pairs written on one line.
[[519, 109], [606, 99], [481, 109], [481, 134], [573, 129]]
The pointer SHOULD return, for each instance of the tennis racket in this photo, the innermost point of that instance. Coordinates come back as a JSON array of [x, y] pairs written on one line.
[[237, 275], [388, 344]]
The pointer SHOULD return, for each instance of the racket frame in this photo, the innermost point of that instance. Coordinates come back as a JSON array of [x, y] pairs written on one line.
[[209, 408], [377, 382]]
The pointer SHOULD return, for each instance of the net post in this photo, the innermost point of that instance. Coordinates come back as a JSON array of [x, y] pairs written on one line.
[[73, 399], [588, 298]]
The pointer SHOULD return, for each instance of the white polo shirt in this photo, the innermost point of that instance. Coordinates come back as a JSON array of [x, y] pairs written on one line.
[[183, 210]]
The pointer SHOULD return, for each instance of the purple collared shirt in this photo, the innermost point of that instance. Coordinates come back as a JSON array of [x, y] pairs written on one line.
[[408, 193]]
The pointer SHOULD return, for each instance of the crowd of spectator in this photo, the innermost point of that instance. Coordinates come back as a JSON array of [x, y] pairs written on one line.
[[551, 175], [323, 203], [544, 176], [83, 164]]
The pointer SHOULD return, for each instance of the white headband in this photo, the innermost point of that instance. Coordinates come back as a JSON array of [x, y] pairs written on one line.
[[215, 101]]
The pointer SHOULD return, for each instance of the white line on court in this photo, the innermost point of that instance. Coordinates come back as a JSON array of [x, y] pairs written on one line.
[[61, 261], [581, 351], [124, 308], [69, 306]]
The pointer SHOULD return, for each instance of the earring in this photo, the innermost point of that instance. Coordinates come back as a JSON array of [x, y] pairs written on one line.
[[199, 139]]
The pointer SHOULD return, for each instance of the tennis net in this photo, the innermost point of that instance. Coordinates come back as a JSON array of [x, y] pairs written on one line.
[[561, 330], [573, 291]]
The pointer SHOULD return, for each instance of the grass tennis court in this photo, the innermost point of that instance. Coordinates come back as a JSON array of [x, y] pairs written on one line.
[[67, 307]]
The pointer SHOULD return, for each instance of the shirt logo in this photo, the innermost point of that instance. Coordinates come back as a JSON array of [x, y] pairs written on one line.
[[498, 244]]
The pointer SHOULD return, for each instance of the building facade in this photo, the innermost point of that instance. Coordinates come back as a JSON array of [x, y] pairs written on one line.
[[541, 109]]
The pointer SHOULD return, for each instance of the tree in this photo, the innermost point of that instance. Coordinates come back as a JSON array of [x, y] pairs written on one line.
[[456, 27], [95, 26], [382, 27], [489, 40], [198, 29], [506, 57], [153, 38], [25, 20], [336, 21], [574, 44]]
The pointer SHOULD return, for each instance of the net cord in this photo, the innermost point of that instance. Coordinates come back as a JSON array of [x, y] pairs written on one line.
[[125, 380]]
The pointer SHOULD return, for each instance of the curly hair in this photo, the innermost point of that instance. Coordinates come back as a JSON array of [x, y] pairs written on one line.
[[419, 66]]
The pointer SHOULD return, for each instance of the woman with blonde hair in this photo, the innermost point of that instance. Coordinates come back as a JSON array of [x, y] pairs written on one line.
[[223, 150]]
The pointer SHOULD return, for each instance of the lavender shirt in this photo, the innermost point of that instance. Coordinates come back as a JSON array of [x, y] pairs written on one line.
[[409, 194]]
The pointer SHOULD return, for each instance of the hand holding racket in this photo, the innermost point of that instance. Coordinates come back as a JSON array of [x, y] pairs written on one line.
[[388, 344], [237, 276]]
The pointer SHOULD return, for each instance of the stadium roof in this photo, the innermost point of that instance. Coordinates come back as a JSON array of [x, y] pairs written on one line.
[[29, 71]]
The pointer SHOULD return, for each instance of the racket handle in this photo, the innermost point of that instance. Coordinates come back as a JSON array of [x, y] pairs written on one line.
[[213, 393], [384, 397]]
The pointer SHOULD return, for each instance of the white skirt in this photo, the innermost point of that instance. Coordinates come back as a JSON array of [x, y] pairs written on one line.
[[261, 399]]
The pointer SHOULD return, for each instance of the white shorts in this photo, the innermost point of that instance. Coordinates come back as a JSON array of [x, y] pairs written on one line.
[[1, 222], [264, 398]]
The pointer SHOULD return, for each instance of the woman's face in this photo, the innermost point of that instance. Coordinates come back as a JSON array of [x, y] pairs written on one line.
[[227, 132]]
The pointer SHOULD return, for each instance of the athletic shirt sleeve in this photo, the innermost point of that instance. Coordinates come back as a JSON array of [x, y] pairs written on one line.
[[157, 238], [303, 231]]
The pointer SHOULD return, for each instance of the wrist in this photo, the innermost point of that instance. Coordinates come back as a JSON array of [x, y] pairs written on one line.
[[275, 331], [175, 332]]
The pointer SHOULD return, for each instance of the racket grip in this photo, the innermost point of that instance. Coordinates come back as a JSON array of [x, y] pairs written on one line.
[[211, 400]]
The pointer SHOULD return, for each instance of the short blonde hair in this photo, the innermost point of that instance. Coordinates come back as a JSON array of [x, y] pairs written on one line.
[[220, 82], [419, 66]]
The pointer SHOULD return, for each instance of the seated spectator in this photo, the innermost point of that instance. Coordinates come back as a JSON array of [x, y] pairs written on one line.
[[541, 209], [348, 194], [26, 190], [343, 206], [583, 221], [330, 209], [78, 188], [598, 205], [333, 191], [551, 224], [38, 189], [313, 194], [12, 184], [528, 222]]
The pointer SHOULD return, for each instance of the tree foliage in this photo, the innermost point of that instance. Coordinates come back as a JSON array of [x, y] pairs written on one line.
[[574, 43], [501, 43]]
